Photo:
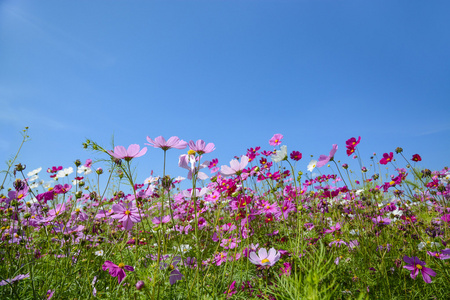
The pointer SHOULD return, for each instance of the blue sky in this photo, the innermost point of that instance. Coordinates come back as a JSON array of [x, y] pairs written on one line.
[[229, 72]]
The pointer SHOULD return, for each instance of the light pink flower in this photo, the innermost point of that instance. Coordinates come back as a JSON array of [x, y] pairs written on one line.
[[263, 258], [323, 159], [200, 147], [189, 162], [128, 214], [172, 142], [236, 167], [133, 151], [276, 139]]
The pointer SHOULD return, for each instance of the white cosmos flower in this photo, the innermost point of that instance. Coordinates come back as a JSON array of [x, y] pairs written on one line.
[[99, 253], [47, 184], [34, 172], [151, 180], [64, 173], [280, 154], [33, 178], [312, 164], [84, 170]]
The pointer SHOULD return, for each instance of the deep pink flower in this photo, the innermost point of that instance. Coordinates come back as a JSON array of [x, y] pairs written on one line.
[[296, 155], [323, 159], [236, 167], [415, 265], [200, 147], [352, 142], [276, 139], [386, 158], [438, 255], [117, 270], [128, 154], [416, 157], [231, 290], [88, 163], [127, 214], [172, 142]]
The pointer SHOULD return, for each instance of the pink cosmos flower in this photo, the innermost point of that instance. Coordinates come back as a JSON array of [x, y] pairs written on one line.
[[263, 258], [200, 147], [276, 139], [172, 142], [333, 228], [415, 265], [323, 159], [236, 167], [128, 154], [386, 158], [117, 270], [127, 214], [186, 159]]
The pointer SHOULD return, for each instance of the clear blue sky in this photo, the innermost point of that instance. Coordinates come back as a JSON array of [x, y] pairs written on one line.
[[229, 72]]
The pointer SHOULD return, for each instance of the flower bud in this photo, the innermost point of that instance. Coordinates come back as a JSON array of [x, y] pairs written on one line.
[[77, 163], [139, 285]]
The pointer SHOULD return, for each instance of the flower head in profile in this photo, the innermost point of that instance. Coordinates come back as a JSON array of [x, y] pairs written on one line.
[[323, 159], [189, 162], [276, 139], [133, 151], [235, 167], [263, 258], [117, 270], [201, 147], [415, 265], [172, 142], [280, 154]]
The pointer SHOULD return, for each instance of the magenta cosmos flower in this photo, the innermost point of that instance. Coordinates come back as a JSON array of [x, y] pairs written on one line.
[[117, 270], [236, 167], [386, 158], [127, 214], [323, 159], [201, 147], [416, 266], [133, 151], [263, 258], [172, 142], [276, 139]]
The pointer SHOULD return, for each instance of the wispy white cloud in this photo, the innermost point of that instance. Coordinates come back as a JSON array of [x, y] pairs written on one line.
[[67, 43], [21, 116], [436, 129]]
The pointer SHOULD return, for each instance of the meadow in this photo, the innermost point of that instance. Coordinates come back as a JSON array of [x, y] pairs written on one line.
[[253, 228]]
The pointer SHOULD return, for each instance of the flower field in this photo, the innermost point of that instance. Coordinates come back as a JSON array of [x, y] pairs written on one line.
[[254, 228]]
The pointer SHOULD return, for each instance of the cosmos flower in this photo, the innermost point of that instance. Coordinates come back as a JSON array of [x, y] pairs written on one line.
[[386, 158], [172, 142], [280, 154], [134, 150], [235, 168], [323, 159], [117, 270], [263, 258], [127, 214], [415, 265], [276, 139], [200, 147], [312, 165]]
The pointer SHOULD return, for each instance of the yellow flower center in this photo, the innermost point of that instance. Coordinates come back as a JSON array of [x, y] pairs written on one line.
[[20, 196], [172, 267], [419, 267], [265, 261], [121, 265], [276, 141], [127, 212], [191, 152]]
